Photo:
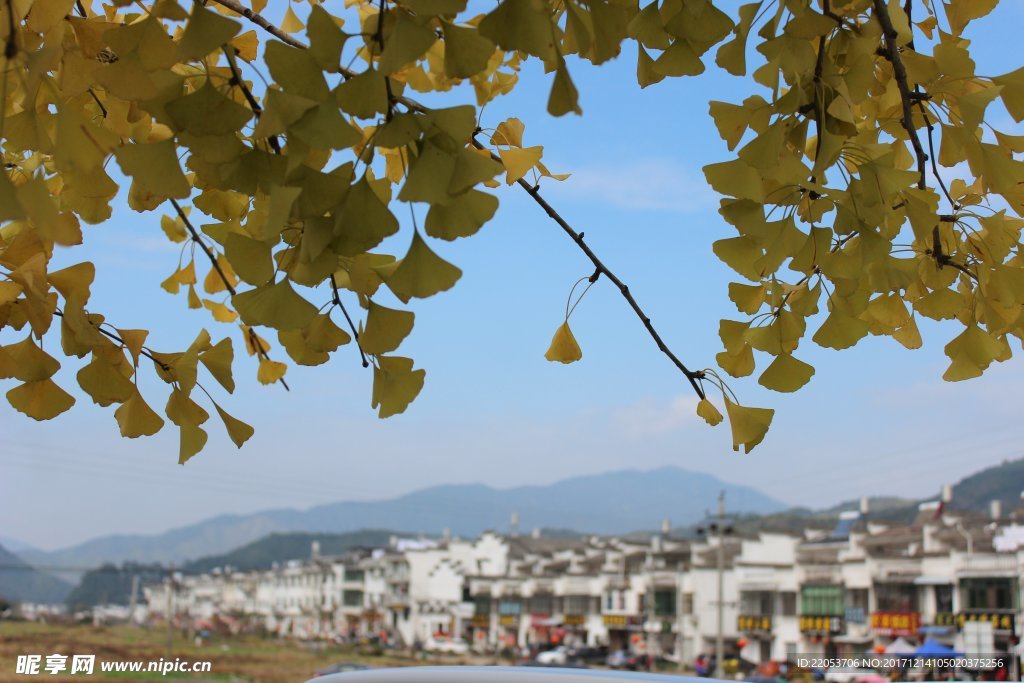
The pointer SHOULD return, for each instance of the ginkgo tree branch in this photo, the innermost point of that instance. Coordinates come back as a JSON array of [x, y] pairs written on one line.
[[336, 300], [257, 110], [115, 337], [253, 339], [892, 53], [692, 376]]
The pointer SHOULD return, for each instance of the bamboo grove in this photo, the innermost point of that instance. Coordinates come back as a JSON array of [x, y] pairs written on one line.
[[866, 187]]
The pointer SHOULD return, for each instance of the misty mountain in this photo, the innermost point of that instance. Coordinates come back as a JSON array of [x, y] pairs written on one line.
[[280, 547], [609, 503], [20, 582]]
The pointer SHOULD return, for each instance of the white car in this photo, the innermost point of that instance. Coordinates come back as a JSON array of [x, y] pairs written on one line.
[[451, 646], [558, 655]]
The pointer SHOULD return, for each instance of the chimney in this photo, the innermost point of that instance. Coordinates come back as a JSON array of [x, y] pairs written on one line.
[[314, 550], [535, 533], [865, 505], [947, 493], [995, 509]]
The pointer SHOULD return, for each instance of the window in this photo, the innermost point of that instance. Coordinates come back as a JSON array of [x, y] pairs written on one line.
[[687, 603], [944, 599], [824, 600], [576, 604], [896, 597], [787, 603], [354, 574], [756, 603], [509, 607], [993, 593], [541, 604], [482, 604], [664, 603]]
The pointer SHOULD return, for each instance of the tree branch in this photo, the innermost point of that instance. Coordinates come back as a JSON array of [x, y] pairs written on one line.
[[892, 53], [534, 192], [257, 110], [336, 298]]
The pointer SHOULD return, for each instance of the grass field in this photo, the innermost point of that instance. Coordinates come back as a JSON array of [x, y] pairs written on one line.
[[243, 659]]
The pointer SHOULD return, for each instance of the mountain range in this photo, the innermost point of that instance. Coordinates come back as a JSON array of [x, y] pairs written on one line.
[[609, 503]]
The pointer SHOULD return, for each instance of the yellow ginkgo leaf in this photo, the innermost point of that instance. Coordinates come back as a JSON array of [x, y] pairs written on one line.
[[385, 329], [422, 273], [291, 22], [104, 382], [217, 360], [193, 439], [155, 167], [518, 161], [786, 374], [749, 425], [274, 305], [40, 400], [270, 371], [239, 431], [707, 410], [395, 385], [563, 348]]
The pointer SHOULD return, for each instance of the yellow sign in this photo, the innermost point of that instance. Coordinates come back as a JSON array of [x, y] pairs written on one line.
[[746, 622], [614, 620], [507, 620], [573, 620]]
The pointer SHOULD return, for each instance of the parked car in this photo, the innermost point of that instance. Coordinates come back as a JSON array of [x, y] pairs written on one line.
[[341, 667], [558, 655], [500, 674], [450, 646]]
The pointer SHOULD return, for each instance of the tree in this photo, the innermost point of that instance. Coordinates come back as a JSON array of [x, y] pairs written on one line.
[[282, 193]]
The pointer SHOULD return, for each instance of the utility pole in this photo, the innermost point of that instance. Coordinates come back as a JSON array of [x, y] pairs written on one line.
[[680, 618], [134, 599], [169, 617], [719, 637]]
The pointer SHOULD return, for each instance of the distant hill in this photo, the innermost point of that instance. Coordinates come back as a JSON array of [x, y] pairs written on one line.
[[609, 503], [20, 582], [280, 547], [1004, 483], [112, 585]]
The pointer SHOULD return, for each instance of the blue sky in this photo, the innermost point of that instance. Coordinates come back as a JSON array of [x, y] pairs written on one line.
[[874, 420]]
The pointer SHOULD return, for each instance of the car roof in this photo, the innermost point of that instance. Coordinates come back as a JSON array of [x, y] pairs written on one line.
[[498, 674]]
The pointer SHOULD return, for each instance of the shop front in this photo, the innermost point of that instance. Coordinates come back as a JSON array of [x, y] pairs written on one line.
[[757, 641], [620, 628]]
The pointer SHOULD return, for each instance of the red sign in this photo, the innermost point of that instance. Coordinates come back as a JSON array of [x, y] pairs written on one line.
[[895, 623]]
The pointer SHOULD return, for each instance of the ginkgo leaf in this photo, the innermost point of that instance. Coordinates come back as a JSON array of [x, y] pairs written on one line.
[[291, 22], [218, 359], [363, 222], [270, 371], [407, 42], [364, 95], [395, 385], [462, 217], [30, 363], [707, 410], [249, 258], [466, 51], [422, 273], [563, 348], [239, 431], [326, 39], [840, 331], [520, 25], [972, 352], [136, 418], [155, 167], [205, 32], [749, 425], [104, 382], [192, 440], [274, 305], [564, 98], [518, 161], [41, 399], [786, 374], [385, 329]]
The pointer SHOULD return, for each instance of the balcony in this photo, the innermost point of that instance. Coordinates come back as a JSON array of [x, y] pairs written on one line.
[[988, 563]]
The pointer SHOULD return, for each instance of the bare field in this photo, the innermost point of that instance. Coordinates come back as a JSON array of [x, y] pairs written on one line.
[[244, 658]]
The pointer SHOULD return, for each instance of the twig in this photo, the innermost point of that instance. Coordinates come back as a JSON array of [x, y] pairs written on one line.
[[336, 298], [209, 254], [110, 335], [257, 110], [892, 53]]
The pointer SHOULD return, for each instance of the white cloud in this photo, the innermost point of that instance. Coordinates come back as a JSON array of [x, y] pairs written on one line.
[[650, 418], [647, 184]]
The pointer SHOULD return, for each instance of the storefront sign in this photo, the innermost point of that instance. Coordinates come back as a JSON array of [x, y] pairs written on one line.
[[896, 623], [753, 622], [614, 620], [508, 620], [821, 624], [573, 620], [1000, 621], [481, 621]]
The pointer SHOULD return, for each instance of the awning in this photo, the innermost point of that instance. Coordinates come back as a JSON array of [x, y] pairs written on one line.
[[545, 622], [933, 581], [851, 639]]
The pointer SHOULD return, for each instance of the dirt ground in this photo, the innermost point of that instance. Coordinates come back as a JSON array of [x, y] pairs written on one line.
[[243, 659]]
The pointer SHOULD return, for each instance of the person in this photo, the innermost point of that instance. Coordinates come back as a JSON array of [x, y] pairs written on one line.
[[700, 665]]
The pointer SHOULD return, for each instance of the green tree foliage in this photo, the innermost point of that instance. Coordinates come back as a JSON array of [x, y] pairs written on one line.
[[281, 194]]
